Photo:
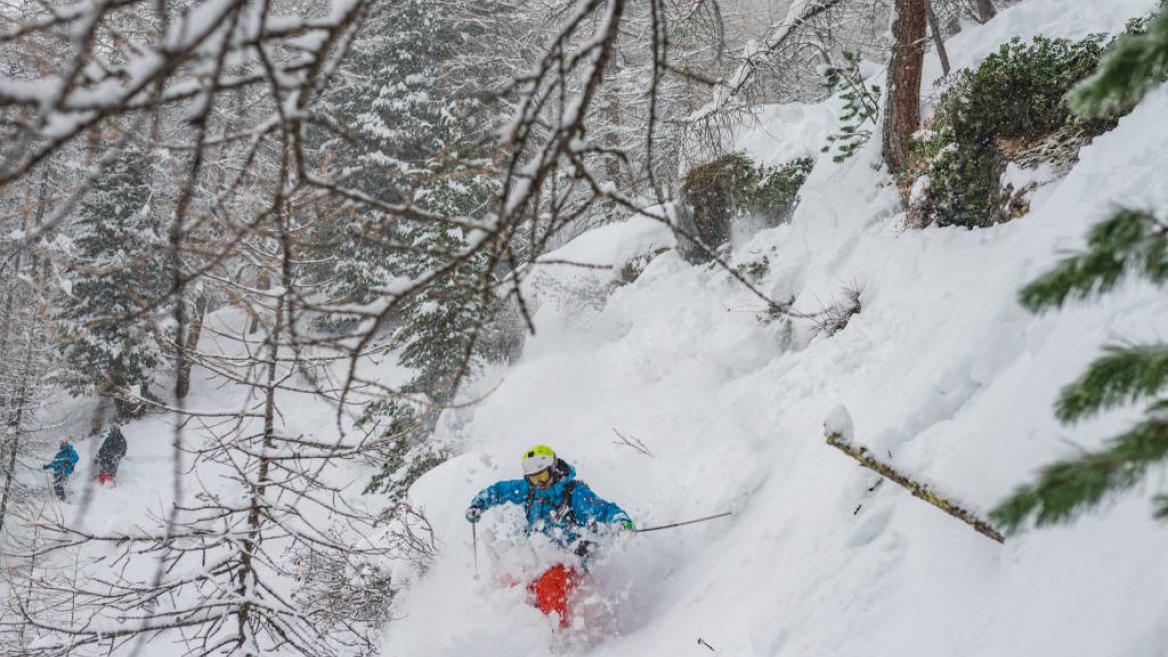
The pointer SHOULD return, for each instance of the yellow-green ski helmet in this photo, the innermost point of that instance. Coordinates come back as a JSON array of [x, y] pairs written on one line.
[[537, 459]]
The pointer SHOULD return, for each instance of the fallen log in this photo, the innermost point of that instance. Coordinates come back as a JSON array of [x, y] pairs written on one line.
[[918, 489]]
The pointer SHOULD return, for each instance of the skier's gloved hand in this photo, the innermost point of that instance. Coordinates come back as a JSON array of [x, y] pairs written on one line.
[[628, 525], [474, 514]]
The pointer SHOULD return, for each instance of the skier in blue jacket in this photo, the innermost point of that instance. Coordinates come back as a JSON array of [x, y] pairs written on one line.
[[62, 466], [555, 502], [557, 505]]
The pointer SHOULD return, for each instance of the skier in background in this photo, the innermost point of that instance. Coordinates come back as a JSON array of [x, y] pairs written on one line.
[[62, 466], [113, 448], [557, 505]]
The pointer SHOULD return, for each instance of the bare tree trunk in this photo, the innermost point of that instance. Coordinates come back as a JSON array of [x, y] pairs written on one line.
[[985, 10], [256, 516], [938, 38], [13, 447], [16, 428], [263, 282], [187, 347], [902, 112]]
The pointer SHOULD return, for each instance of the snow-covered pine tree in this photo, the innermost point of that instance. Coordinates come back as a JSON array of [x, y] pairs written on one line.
[[1131, 242], [397, 122], [412, 134], [109, 314], [440, 337]]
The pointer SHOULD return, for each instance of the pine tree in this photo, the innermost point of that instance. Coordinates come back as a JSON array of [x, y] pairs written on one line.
[[440, 339], [401, 123], [444, 318], [108, 321], [413, 137]]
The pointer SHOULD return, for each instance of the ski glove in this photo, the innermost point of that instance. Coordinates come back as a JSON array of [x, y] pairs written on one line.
[[474, 514], [627, 524]]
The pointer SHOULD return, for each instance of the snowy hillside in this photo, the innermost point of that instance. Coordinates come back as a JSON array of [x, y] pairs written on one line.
[[941, 371], [671, 388]]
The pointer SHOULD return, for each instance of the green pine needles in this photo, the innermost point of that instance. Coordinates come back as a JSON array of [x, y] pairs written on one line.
[[1130, 241], [861, 106], [1124, 375]]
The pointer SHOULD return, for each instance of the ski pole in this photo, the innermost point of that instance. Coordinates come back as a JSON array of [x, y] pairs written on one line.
[[474, 546], [684, 522]]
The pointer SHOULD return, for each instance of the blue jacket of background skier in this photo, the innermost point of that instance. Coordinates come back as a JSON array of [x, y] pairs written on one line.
[[64, 461], [548, 511]]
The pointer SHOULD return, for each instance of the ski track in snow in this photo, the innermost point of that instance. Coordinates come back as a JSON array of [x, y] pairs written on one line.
[[942, 372]]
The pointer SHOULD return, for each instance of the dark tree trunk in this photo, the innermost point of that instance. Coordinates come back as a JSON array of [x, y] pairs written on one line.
[[902, 112], [985, 10], [16, 428], [938, 38], [187, 346]]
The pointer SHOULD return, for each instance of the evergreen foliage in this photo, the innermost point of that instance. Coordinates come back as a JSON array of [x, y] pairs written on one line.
[[777, 193], [1066, 488], [733, 187], [1136, 62], [1124, 375], [1129, 243], [398, 421], [861, 106], [1017, 93], [715, 191], [403, 128], [440, 337], [413, 138], [443, 320], [108, 326]]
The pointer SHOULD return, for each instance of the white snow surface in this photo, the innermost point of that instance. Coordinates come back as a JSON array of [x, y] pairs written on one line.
[[941, 373]]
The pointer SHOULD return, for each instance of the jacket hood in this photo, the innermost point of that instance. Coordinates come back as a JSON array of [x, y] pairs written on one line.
[[565, 470]]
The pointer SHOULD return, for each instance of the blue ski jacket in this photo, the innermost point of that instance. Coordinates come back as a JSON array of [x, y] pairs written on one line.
[[557, 511], [64, 461]]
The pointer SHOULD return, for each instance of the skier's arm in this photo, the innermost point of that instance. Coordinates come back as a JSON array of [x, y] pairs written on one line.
[[591, 508], [512, 491]]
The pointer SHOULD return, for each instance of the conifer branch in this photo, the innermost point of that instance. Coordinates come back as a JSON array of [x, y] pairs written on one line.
[[913, 486], [1130, 241], [1134, 64], [1123, 376], [1067, 487]]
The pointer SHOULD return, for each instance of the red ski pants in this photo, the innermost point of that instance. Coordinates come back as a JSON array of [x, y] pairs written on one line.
[[552, 589]]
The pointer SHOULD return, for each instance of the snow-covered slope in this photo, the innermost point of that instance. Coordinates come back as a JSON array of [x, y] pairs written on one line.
[[942, 372]]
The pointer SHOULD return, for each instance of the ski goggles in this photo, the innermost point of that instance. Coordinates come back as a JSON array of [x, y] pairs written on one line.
[[541, 478]]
